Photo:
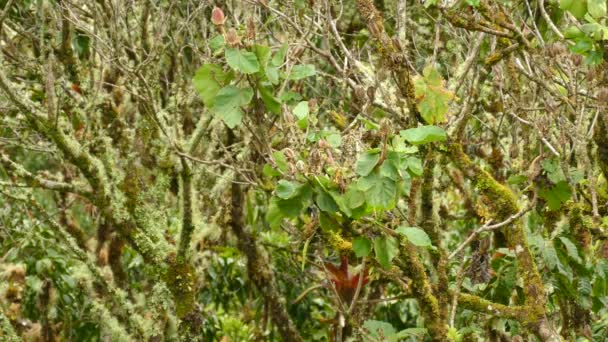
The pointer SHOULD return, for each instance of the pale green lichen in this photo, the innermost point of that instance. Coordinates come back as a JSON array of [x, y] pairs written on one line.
[[111, 329]]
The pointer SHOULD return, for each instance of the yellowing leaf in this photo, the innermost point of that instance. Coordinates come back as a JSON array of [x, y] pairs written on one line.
[[432, 97]]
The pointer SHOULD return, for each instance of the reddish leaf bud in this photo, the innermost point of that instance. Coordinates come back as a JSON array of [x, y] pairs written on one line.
[[217, 16], [232, 38]]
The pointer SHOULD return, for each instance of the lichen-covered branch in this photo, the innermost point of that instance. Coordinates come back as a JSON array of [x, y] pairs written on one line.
[[435, 316], [503, 204], [259, 269]]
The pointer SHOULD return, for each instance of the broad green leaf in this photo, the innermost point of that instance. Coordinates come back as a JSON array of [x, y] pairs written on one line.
[[578, 8], [279, 56], [597, 8], [582, 46], [217, 43], [386, 249], [379, 330], [380, 192], [286, 189], [366, 162], [262, 53], [556, 195], [432, 96], [424, 134], [301, 111], [328, 224], [272, 103], [553, 170], [269, 171], [416, 236], [290, 97], [274, 216], [326, 202], [362, 246], [243, 61], [414, 165], [288, 208], [334, 139], [208, 80], [272, 73], [280, 160], [573, 32], [595, 57], [390, 169], [228, 103], [354, 198], [301, 71]]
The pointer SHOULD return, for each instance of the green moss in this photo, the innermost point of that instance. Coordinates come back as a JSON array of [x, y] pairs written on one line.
[[338, 242], [422, 289], [503, 204], [181, 280]]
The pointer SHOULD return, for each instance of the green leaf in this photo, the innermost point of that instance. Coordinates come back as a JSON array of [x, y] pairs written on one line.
[[517, 179], [269, 171], [301, 111], [217, 43], [243, 61], [366, 162], [380, 192], [272, 73], [424, 134], [597, 8], [414, 165], [334, 139], [416, 236], [582, 45], [431, 95], [573, 32], [362, 246], [288, 208], [280, 160], [578, 8], [279, 56], [390, 169], [228, 103], [326, 202], [286, 189], [379, 330], [550, 255], [272, 103], [274, 216], [301, 71], [262, 53], [208, 80], [557, 195], [386, 249], [354, 198], [571, 249]]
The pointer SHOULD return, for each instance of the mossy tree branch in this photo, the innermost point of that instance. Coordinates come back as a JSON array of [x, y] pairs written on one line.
[[503, 204]]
